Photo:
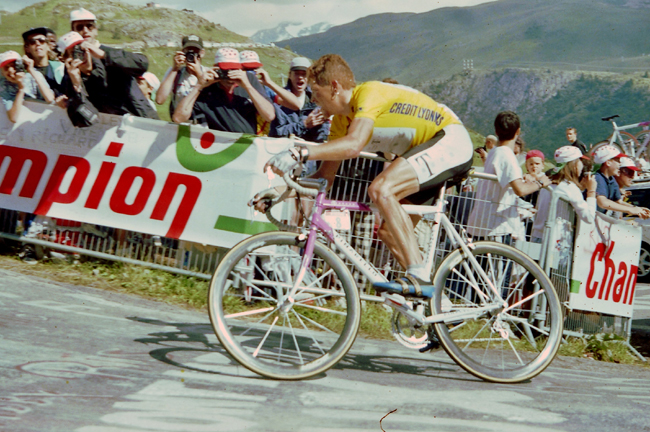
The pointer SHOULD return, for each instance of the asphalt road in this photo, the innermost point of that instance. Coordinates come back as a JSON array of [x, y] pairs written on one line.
[[86, 360]]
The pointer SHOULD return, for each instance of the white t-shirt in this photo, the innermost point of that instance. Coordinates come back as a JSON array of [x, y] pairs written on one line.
[[495, 211], [586, 210], [185, 84]]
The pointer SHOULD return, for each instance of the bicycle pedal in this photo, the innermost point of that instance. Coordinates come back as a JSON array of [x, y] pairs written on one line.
[[431, 345]]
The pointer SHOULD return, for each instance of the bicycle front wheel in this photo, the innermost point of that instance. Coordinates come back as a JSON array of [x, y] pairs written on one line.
[[270, 332], [519, 336]]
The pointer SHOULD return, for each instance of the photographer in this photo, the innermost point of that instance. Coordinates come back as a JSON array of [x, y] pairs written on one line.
[[183, 74], [19, 81], [227, 97], [112, 83]]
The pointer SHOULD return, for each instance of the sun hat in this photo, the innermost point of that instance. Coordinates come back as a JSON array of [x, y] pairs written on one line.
[[300, 63], [627, 162], [534, 153], [605, 153], [192, 41], [8, 57], [227, 59], [82, 14], [250, 60], [69, 40], [152, 80], [567, 154]]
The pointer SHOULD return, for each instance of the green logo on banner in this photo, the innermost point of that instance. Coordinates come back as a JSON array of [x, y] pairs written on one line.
[[192, 160], [575, 286]]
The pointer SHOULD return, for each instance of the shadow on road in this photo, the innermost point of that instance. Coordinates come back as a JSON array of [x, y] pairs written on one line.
[[176, 348]]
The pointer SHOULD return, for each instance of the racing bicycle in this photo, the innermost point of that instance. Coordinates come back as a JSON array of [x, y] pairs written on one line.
[[627, 143], [285, 305]]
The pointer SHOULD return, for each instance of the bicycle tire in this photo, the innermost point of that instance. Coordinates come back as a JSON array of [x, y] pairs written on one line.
[[502, 346], [603, 143], [303, 339]]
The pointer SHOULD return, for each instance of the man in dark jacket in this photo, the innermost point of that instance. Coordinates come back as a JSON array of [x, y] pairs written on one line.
[[572, 137], [112, 84]]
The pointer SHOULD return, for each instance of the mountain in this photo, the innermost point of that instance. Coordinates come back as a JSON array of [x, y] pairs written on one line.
[[557, 34], [287, 30], [547, 102]]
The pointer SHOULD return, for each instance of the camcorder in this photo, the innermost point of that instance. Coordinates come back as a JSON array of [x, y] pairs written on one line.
[[78, 53], [19, 66], [190, 57]]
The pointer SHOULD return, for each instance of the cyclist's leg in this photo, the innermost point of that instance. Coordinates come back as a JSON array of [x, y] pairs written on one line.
[[448, 154]]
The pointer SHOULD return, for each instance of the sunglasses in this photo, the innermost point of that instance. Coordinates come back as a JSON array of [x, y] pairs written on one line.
[[79, 27], [627, 172], [35, 41]]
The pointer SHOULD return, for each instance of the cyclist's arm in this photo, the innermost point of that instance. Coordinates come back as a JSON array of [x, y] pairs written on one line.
[[347, 147]]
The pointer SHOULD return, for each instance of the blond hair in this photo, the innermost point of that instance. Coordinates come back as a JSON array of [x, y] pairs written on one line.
[[328, 68], [569, 172]]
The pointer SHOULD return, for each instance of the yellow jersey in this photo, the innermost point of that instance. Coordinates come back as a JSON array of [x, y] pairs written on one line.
[[404, 117]]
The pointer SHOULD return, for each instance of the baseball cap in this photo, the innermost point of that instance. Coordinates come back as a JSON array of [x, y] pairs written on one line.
[[152, 80], [605, 153], [69, 40], [192, 41], [567, 154], [300, 63], [250, 60], [82, 14], [8, 57], [534, 153], [627, 162], [227, 59], [34, 31]]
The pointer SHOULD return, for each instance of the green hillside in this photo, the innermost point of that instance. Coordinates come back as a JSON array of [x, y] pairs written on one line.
[[146, 29], [547, 102], [601, 35]]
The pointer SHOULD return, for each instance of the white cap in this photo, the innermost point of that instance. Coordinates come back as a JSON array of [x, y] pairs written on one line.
[[152, 80], [300, 63], [627, 162], [69, 40], [8, 57], [568, 153], [605, 153], [227, 58], [250, 59], [82, 14]]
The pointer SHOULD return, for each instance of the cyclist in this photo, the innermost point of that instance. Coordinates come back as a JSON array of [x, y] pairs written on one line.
[[430, 142]]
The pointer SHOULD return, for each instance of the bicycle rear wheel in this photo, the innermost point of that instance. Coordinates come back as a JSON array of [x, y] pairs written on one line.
[[270, 334], [513, 343]]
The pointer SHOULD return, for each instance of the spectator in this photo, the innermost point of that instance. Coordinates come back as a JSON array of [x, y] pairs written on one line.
[[495, 213], [227, 97], [308, 122], [569, 182], [534, 168], [111, 82], [20, 80], [608, 193], [625, 178], [389, 80], [520, 146], [52, 43], [251, 63], [149, 83], [490, 142], [572, 137], [182, 75], [37, 48]]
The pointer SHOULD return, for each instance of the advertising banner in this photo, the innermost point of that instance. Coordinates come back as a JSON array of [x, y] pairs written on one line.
[[179, 181], [605, 264]]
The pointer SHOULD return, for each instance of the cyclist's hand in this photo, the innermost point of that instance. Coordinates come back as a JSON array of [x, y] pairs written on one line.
[[283, 162], [263, 200]]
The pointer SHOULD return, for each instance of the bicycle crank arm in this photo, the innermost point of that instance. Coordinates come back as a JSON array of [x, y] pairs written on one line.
[[448, 317]]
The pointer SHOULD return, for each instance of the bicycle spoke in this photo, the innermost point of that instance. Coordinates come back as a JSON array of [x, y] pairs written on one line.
[[308, 331], [266, 335]]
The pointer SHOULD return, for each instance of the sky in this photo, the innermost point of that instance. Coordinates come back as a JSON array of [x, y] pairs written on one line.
[[248, 16]]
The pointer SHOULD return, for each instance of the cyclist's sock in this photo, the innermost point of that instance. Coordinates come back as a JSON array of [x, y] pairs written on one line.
[[419, 271]]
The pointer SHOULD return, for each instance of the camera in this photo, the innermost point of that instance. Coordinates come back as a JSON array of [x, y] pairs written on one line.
[[78, 53], [19, 66], [478, 150], [222, 74], [190, 57]]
